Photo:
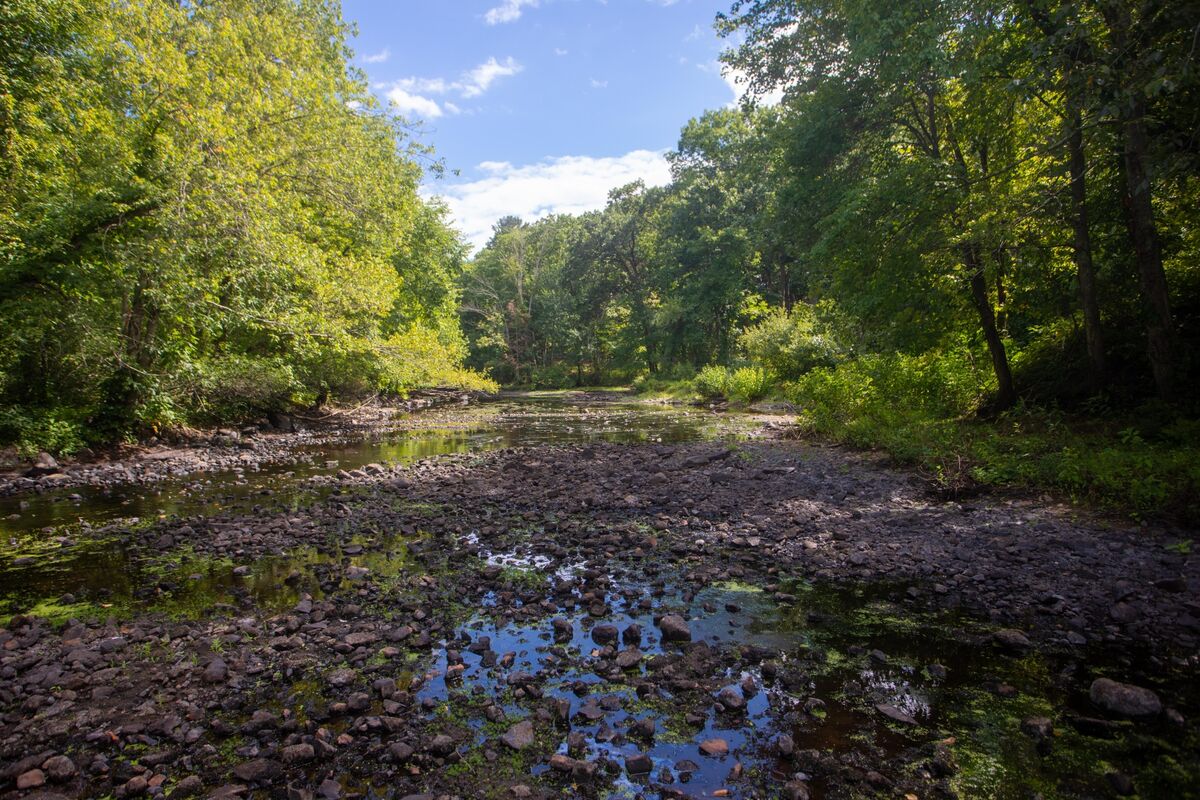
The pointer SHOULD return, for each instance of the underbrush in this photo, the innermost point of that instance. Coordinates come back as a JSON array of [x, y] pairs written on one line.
[[923, 411]]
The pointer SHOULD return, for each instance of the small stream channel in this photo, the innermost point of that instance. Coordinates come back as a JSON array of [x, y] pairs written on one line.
[[847, 672]]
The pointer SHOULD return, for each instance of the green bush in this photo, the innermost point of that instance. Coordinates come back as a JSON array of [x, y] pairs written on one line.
[[555, 376], [712, 381], [239, 387], [790, 345], [53, 431], [748, 384], [920, 409]]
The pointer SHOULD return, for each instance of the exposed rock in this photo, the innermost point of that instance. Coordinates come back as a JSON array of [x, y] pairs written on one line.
[[1124, 699], [896, 714], [674, 628], [519, 736], [216, 671]]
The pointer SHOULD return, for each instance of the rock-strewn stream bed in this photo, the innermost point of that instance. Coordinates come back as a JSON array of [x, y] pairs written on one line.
[[738, 618]]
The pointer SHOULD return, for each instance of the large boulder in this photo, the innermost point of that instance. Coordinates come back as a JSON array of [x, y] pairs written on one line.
[[1124, 699], [44, 465], [674, 629]]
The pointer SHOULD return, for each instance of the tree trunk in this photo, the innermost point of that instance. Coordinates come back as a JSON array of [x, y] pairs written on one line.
[[1084, 269], [1160, 327], [1006, 394]]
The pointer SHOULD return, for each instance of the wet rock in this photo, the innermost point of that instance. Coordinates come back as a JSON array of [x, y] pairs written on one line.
[[785, 745], [604, 634], [644, 728], [731, 699], [674, 628], [627, 659], [1124, 699], [638, 764], [563, 629], [714, 748], [329, 789], [519, 736]]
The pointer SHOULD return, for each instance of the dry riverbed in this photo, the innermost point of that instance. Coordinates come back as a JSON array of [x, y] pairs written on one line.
[[749, 618]]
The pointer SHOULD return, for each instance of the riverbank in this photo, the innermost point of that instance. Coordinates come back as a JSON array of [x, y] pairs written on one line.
[[682, 620], [188, 451]]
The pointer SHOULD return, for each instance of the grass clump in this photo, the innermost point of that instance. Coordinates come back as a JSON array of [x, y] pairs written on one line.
[[924, 411]]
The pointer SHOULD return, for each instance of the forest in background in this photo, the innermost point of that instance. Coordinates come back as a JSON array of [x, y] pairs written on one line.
[[205, 215], [968, 235]]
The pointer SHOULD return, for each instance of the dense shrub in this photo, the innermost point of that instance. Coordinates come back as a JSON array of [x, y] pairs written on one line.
[[921, 411], [712, 381], [238, 387], [54, 431], [747, 384], [555, 376], [790, 344]]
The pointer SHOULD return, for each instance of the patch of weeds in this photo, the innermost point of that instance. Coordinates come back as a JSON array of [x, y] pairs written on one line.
[[522, 578]]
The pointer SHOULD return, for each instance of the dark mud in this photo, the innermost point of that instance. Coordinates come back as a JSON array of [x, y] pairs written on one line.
[[747, 619]]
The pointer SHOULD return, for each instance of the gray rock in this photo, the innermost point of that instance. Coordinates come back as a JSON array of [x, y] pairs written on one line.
[[216, 671], [731, 699], [297, 753], [674, 628], [895, 714], [1124, 699], [258, 770], [44, 465], [519, 736], [638, 764], [59, 769], [629, 658], [1011, 639], [605, 634], [441, 745]]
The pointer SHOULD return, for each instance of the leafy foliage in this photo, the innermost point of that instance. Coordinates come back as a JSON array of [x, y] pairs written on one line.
[[204, 213]]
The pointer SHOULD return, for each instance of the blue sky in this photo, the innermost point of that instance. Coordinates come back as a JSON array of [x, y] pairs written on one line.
[[542, 105]]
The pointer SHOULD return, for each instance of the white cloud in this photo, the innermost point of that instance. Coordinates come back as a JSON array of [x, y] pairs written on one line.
[[411, 94], [477, 81], [599, 84], [560, 51], [739, 83], [565, 185], [413, 105], [507, 11], [377, 58]]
